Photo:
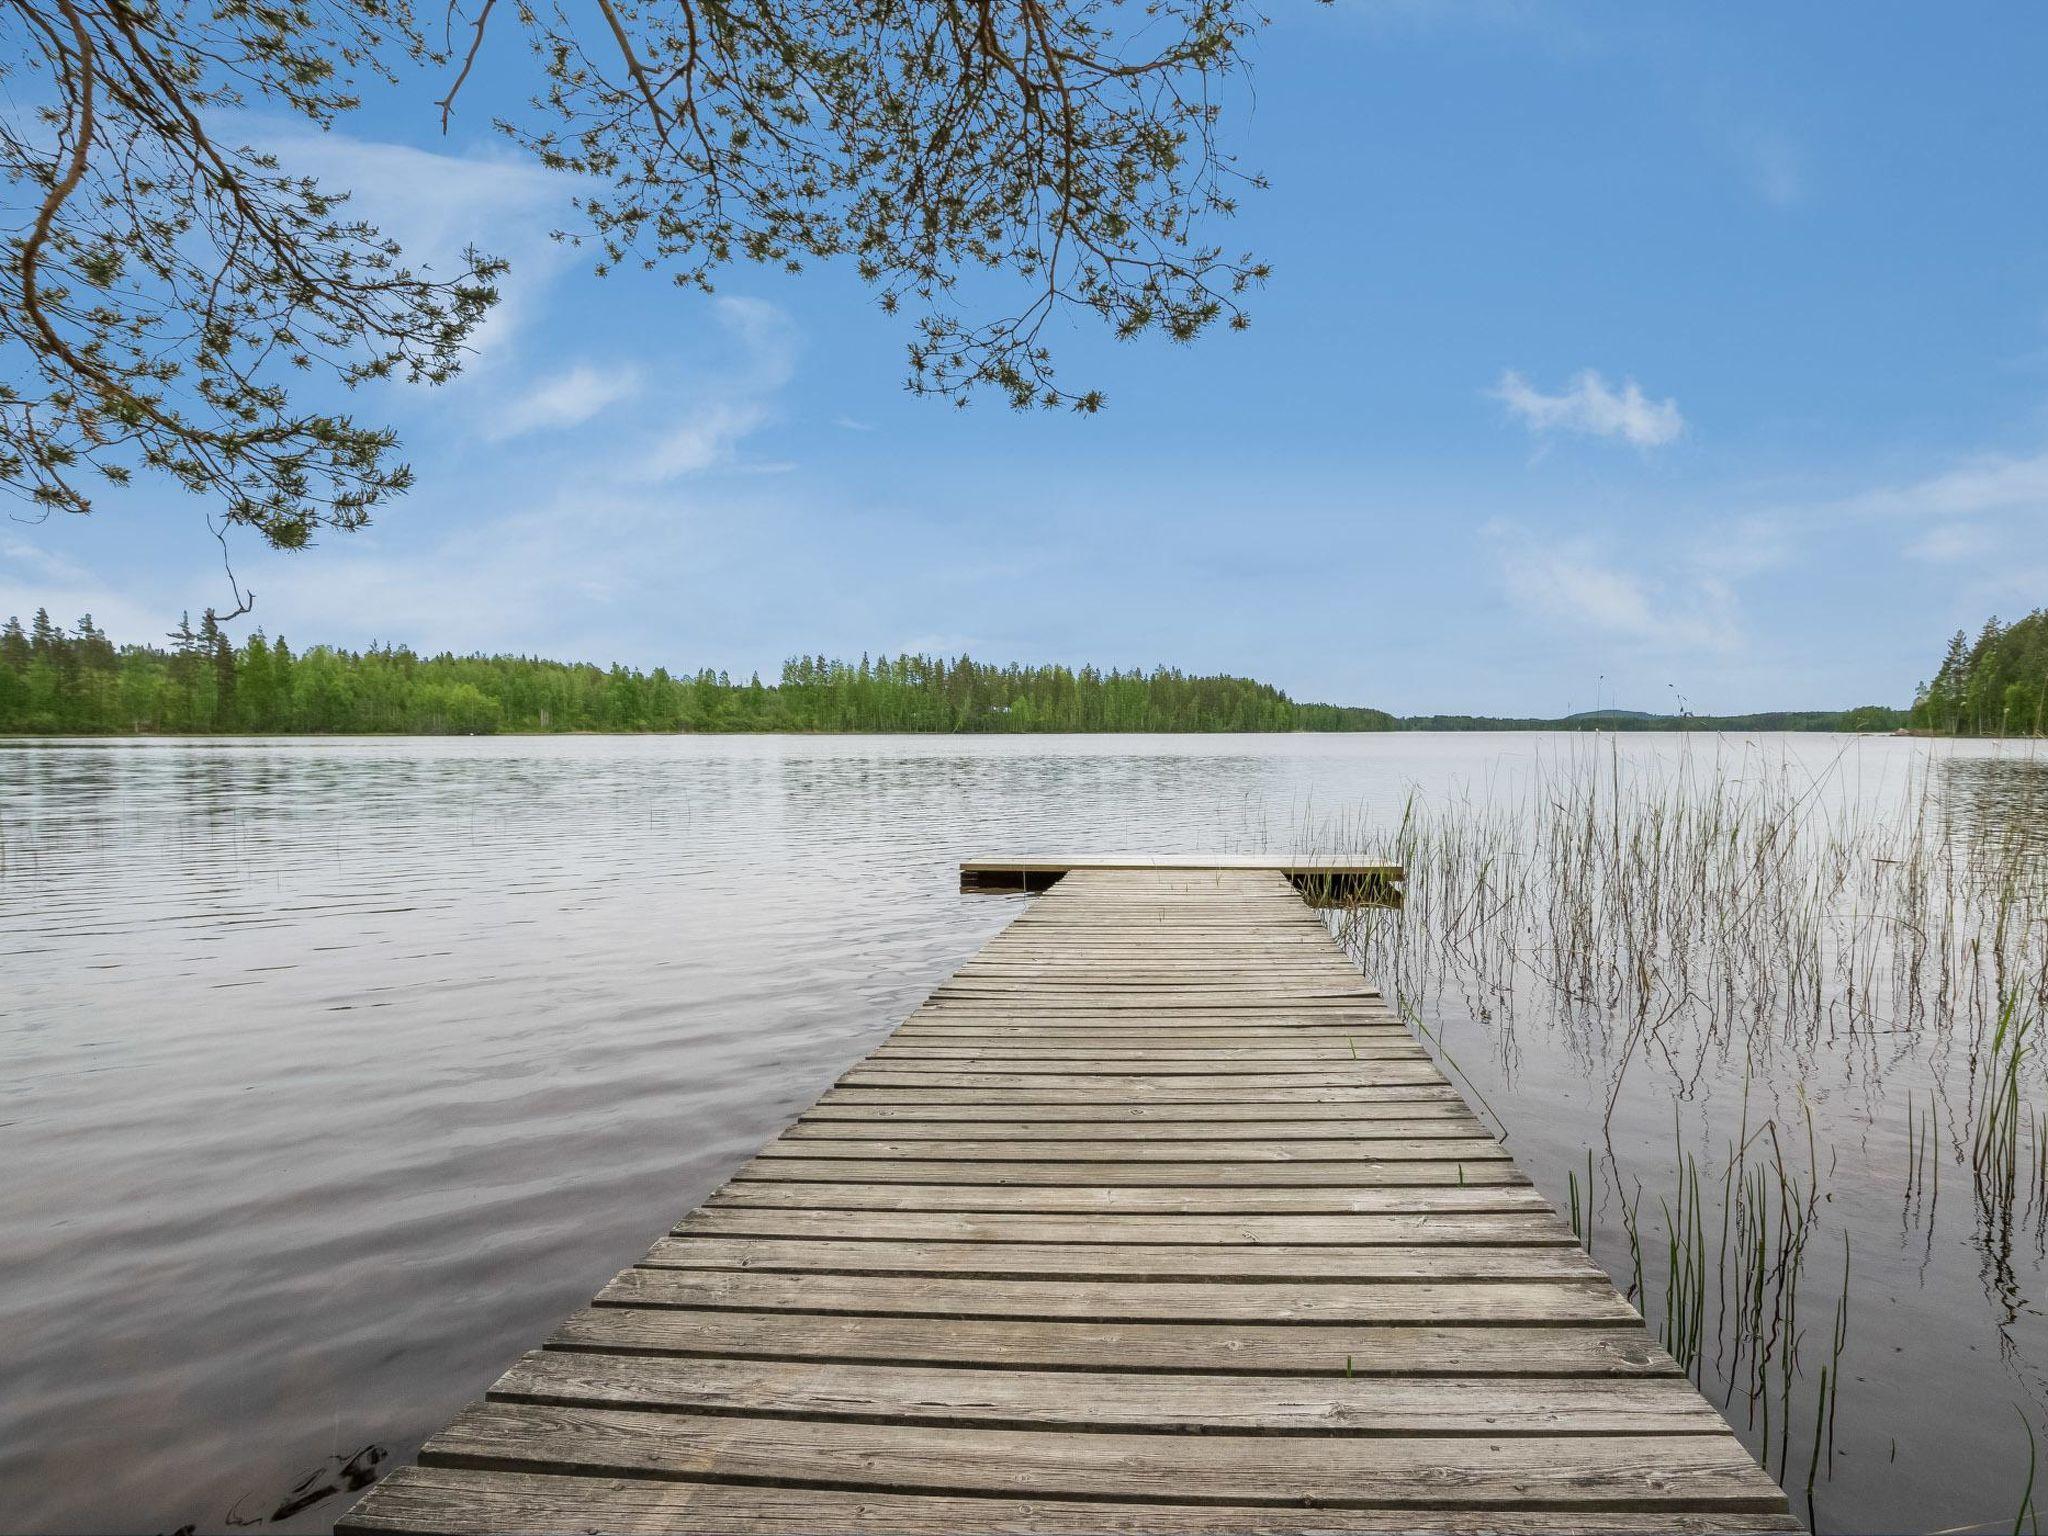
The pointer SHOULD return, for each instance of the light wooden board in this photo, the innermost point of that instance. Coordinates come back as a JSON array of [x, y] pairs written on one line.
[[1187, 1402], [511, 1503], [1646, 1473], [1208, 1201], [1152, 1219], [1561, 1303], [1485, 1228], [1215, 1173], [1498, 1351], [1426, 1104], [1422, 1127]]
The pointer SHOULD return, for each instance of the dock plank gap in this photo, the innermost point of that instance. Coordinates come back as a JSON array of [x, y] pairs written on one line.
[[1152, 1218]]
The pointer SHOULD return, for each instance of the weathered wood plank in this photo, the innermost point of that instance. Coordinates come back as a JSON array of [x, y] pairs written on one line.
[[1217, 1203], [1214, 1174], [1490, 1228], [1263, 1349], [416, 1501], [1168, 1080], [1035, 1132], [1355, 1057], [1567, 1302], [1132, 1262], [1429, 1104], [1186, 1091], [1176, 1014], [1633, 1472], [1084, 995], [1163, 1051], [1168, 1032], [1185, 1403], [1439, 1149]]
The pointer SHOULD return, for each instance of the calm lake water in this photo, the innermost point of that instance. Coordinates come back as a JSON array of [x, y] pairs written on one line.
[[333, 1073]]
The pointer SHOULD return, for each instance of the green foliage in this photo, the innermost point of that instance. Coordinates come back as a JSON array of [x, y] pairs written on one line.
[[165, 291], [1996, 686], [986, 169], [79, 683]]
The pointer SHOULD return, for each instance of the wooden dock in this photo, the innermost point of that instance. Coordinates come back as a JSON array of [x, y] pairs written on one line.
[[1153, 1218]]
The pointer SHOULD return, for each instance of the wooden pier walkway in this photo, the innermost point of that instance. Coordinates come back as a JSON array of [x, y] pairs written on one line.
[[1152, 1219]]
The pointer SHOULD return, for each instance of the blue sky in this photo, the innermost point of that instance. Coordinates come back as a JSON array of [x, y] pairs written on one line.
[[1610, 351]]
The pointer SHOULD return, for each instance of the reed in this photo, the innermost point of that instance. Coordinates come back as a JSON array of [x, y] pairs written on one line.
[[1995, 1151], [2028, 1519], [1681, 928], [1705, 910]]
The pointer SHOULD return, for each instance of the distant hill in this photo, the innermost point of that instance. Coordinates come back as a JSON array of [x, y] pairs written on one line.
[[1868, 717]]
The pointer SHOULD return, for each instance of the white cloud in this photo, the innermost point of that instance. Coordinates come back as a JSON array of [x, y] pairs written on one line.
[[563, 558], [1946, 543], [32, 578], [731, 404], [1591, 406], [436, 205], [1984, 485], [1573, 584], [568, 399], [709, 439], [768, 336], [1748, 545], [1957, 515]]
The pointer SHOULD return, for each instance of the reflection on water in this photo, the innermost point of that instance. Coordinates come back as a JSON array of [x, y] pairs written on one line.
[[336, 1072], [2003, 797], [1747, 1014]]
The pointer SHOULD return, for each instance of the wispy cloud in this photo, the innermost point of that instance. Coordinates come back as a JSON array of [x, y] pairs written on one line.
[[1947, 543], [437, 205], [767, 335], [1591, 406], [1575, 585], [1746, 545], [709, 439], [1953, 516], [32, 577], [568, 399], [723, 409], [1989, 484]]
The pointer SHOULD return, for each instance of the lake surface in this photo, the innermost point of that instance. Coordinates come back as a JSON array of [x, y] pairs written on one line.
[[333, 1073]]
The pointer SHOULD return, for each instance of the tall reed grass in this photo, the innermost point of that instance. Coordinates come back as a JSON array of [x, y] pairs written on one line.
[[1713, 905], [1718, 918]]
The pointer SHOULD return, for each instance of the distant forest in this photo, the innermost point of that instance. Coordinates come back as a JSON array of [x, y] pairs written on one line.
[[1868, 717], [55, 681], [1996, 686], [78, 681]]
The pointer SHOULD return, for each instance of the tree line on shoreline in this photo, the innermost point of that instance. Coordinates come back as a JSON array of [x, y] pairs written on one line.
[[1996, 685], [77, 681]]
